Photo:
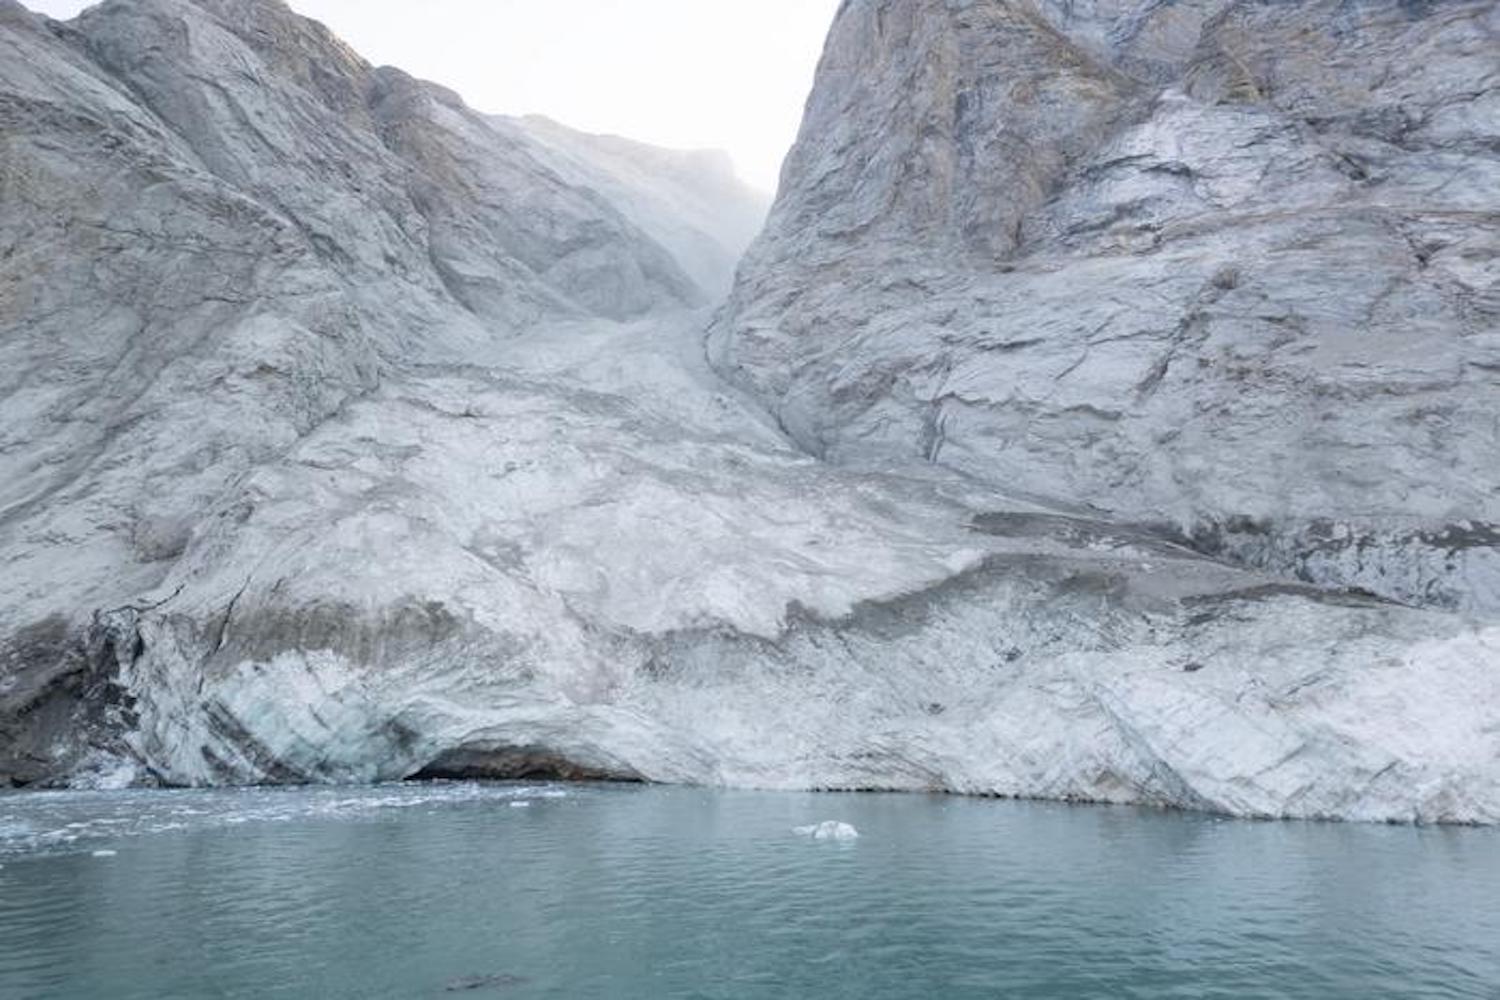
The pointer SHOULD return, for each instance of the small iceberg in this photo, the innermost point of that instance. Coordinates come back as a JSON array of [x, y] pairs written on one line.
[[829, 829], [104, 854], [521, 804]]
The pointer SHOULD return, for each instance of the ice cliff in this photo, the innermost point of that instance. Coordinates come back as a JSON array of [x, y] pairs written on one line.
[[1107, 412]]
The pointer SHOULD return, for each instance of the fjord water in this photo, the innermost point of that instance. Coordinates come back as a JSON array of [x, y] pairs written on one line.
[[643, 892]]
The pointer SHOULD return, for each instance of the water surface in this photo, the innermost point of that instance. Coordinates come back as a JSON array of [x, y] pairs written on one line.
[[634, 892]]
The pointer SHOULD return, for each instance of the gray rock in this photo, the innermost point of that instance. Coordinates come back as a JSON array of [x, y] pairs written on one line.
[[219, 227], [350, 435], [1228, 267], [689, 202]]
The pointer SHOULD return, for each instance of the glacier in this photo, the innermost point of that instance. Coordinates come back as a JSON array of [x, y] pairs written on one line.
[[352, 435]]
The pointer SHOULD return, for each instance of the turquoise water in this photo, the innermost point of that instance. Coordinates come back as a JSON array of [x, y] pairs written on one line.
[[624, 892]]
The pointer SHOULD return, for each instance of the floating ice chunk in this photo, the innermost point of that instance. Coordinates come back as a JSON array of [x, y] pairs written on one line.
[[104, 775], [104, 854], [829, 829], [522, 804]]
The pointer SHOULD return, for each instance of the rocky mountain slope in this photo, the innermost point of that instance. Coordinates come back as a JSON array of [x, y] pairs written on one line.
[[690, 202], [1221, 266], [220, 227], [351, 435]]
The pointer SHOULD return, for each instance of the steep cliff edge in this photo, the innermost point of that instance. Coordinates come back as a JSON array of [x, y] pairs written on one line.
[[1230, 268], [351, 435], [219, 227]]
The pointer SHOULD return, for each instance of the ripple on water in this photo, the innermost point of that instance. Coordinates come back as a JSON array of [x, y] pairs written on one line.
[[624, 893], [72, 820]]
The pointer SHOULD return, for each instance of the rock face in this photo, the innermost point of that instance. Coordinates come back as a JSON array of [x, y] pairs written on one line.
[[351, 435], [219, 227], [1223, 266], [689, 202]]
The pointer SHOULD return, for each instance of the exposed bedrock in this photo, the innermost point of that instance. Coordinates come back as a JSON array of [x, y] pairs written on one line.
[[220, 227], [1111, 416], [1231, 268]]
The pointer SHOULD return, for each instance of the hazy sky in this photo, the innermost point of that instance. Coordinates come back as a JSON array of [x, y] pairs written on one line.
[[730, 74]]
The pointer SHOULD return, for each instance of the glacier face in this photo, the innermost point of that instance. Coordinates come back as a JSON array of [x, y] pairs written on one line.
[[353, 435]]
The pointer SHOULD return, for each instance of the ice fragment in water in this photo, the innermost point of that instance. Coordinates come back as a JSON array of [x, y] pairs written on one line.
[[104, 854], [829, 829]]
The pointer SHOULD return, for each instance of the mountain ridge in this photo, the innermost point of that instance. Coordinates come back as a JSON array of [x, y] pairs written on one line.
[[351, 435]]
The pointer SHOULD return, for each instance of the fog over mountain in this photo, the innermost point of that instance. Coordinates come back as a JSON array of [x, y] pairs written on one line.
[[1109, 410]]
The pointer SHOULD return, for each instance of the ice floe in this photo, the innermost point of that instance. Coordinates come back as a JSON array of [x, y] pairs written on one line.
[[829, 829]]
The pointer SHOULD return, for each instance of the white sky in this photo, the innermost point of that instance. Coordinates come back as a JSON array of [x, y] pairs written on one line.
[[727, 74]]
